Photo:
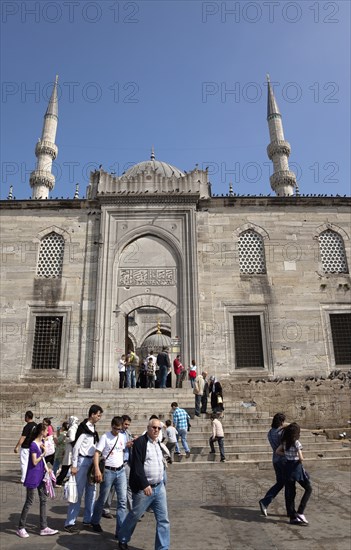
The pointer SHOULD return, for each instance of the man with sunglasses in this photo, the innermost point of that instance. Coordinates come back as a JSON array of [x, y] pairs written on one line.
[[111, 447], [147, 484]]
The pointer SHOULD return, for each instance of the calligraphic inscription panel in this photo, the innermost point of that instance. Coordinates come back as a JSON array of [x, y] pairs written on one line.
[[147, 277]]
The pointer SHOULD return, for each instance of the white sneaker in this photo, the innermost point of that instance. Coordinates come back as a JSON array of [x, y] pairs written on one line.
[[48, 531], [22, 533], [302, 518]]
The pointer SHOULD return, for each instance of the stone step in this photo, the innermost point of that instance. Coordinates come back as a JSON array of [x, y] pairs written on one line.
[[213, 466], [232, 454], [204, 463]]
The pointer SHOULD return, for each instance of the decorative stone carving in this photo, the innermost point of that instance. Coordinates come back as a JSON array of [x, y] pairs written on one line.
[[42, 177], [147, 277], [46, 148], [278, 147]]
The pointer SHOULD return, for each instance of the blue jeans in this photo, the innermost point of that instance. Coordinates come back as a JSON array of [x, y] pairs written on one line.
[[220, 445], [130, 377], [90, 490], [118, 481], [163, 376], [158, 503], [57, 463], [279, 468], [182, 433], [198, 404]]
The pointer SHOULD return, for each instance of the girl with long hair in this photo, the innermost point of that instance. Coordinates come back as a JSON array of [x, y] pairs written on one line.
[[35, 480], [291, 448]]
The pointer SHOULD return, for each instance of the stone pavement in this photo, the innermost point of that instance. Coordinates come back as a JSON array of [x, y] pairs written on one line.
[[207, 512]]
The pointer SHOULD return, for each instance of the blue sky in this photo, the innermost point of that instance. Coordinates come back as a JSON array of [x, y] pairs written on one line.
[[185, 76]]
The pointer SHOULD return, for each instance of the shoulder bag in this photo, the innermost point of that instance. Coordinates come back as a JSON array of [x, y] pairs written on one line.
[[102, 460]]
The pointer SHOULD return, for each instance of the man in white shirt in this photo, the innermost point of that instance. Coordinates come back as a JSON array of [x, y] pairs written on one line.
[[82, 456], [111, 446]]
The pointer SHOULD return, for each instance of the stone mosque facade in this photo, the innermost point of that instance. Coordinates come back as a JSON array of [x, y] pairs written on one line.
[[246, 285]]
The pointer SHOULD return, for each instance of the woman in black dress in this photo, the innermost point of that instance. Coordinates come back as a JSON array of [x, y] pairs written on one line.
[[216, 393]]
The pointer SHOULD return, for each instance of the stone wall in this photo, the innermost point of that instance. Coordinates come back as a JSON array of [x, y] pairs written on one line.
[[317, 403], [294, 297], [26, 295]]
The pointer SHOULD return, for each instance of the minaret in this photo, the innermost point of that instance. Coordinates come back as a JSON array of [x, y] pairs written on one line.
[[42, 180], [283, 182]]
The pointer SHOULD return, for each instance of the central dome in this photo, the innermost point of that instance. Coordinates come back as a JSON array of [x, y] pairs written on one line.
[[166, 170]]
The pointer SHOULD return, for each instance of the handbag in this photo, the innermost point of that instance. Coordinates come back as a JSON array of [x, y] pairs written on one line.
[[91, 470], [219, 399], [49, 445], [102, 460], [70, 492], [49, 481]]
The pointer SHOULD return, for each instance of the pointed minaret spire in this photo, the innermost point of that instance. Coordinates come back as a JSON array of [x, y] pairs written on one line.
[[283, 181], [76, 194], [41, 179], [152, 157], [231, 192]]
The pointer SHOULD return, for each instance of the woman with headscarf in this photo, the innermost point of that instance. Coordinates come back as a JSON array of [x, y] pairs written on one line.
[[67, 459], [216, 393]]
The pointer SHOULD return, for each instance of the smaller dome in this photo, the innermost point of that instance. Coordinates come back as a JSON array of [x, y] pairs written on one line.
[[152, 165], [155, 343]]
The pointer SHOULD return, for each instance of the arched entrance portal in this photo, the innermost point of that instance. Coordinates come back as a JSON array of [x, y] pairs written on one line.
[[147, 268], [149, 332]]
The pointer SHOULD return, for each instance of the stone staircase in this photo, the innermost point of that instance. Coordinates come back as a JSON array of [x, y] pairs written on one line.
[[245, 426]]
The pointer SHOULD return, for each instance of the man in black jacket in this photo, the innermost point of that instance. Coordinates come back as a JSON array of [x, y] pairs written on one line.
[[148, 488]]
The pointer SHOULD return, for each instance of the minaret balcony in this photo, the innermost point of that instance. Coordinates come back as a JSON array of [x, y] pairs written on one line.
[[46, 148], [283, 177], [42, 177], [278, 147]]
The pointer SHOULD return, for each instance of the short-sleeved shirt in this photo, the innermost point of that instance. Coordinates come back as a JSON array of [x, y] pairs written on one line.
[[292, 452], [105, 445], [35, 473], [27, 432]]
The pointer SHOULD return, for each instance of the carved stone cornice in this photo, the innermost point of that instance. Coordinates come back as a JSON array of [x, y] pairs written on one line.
[[282, 178], [149, 181], [278, 147], [46, 148], [42, 177], [148, 199]]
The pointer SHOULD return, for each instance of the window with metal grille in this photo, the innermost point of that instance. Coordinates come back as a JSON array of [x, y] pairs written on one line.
[[51, 252], [332, 250], [248, 341], [47, 343], [340, 324], [251, 253]]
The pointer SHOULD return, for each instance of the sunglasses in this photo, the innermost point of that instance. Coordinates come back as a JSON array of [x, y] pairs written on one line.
[[116, 427], [156, 427]]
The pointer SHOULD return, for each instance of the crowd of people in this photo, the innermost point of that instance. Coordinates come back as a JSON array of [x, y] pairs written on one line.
[[133, 468], [154, 371]]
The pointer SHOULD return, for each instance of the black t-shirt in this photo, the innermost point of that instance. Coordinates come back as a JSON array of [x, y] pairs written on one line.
[[27, 432]]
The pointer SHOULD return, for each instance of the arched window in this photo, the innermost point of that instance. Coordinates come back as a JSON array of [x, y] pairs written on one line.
[[251, 253], [51, 252], [332, 251]]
